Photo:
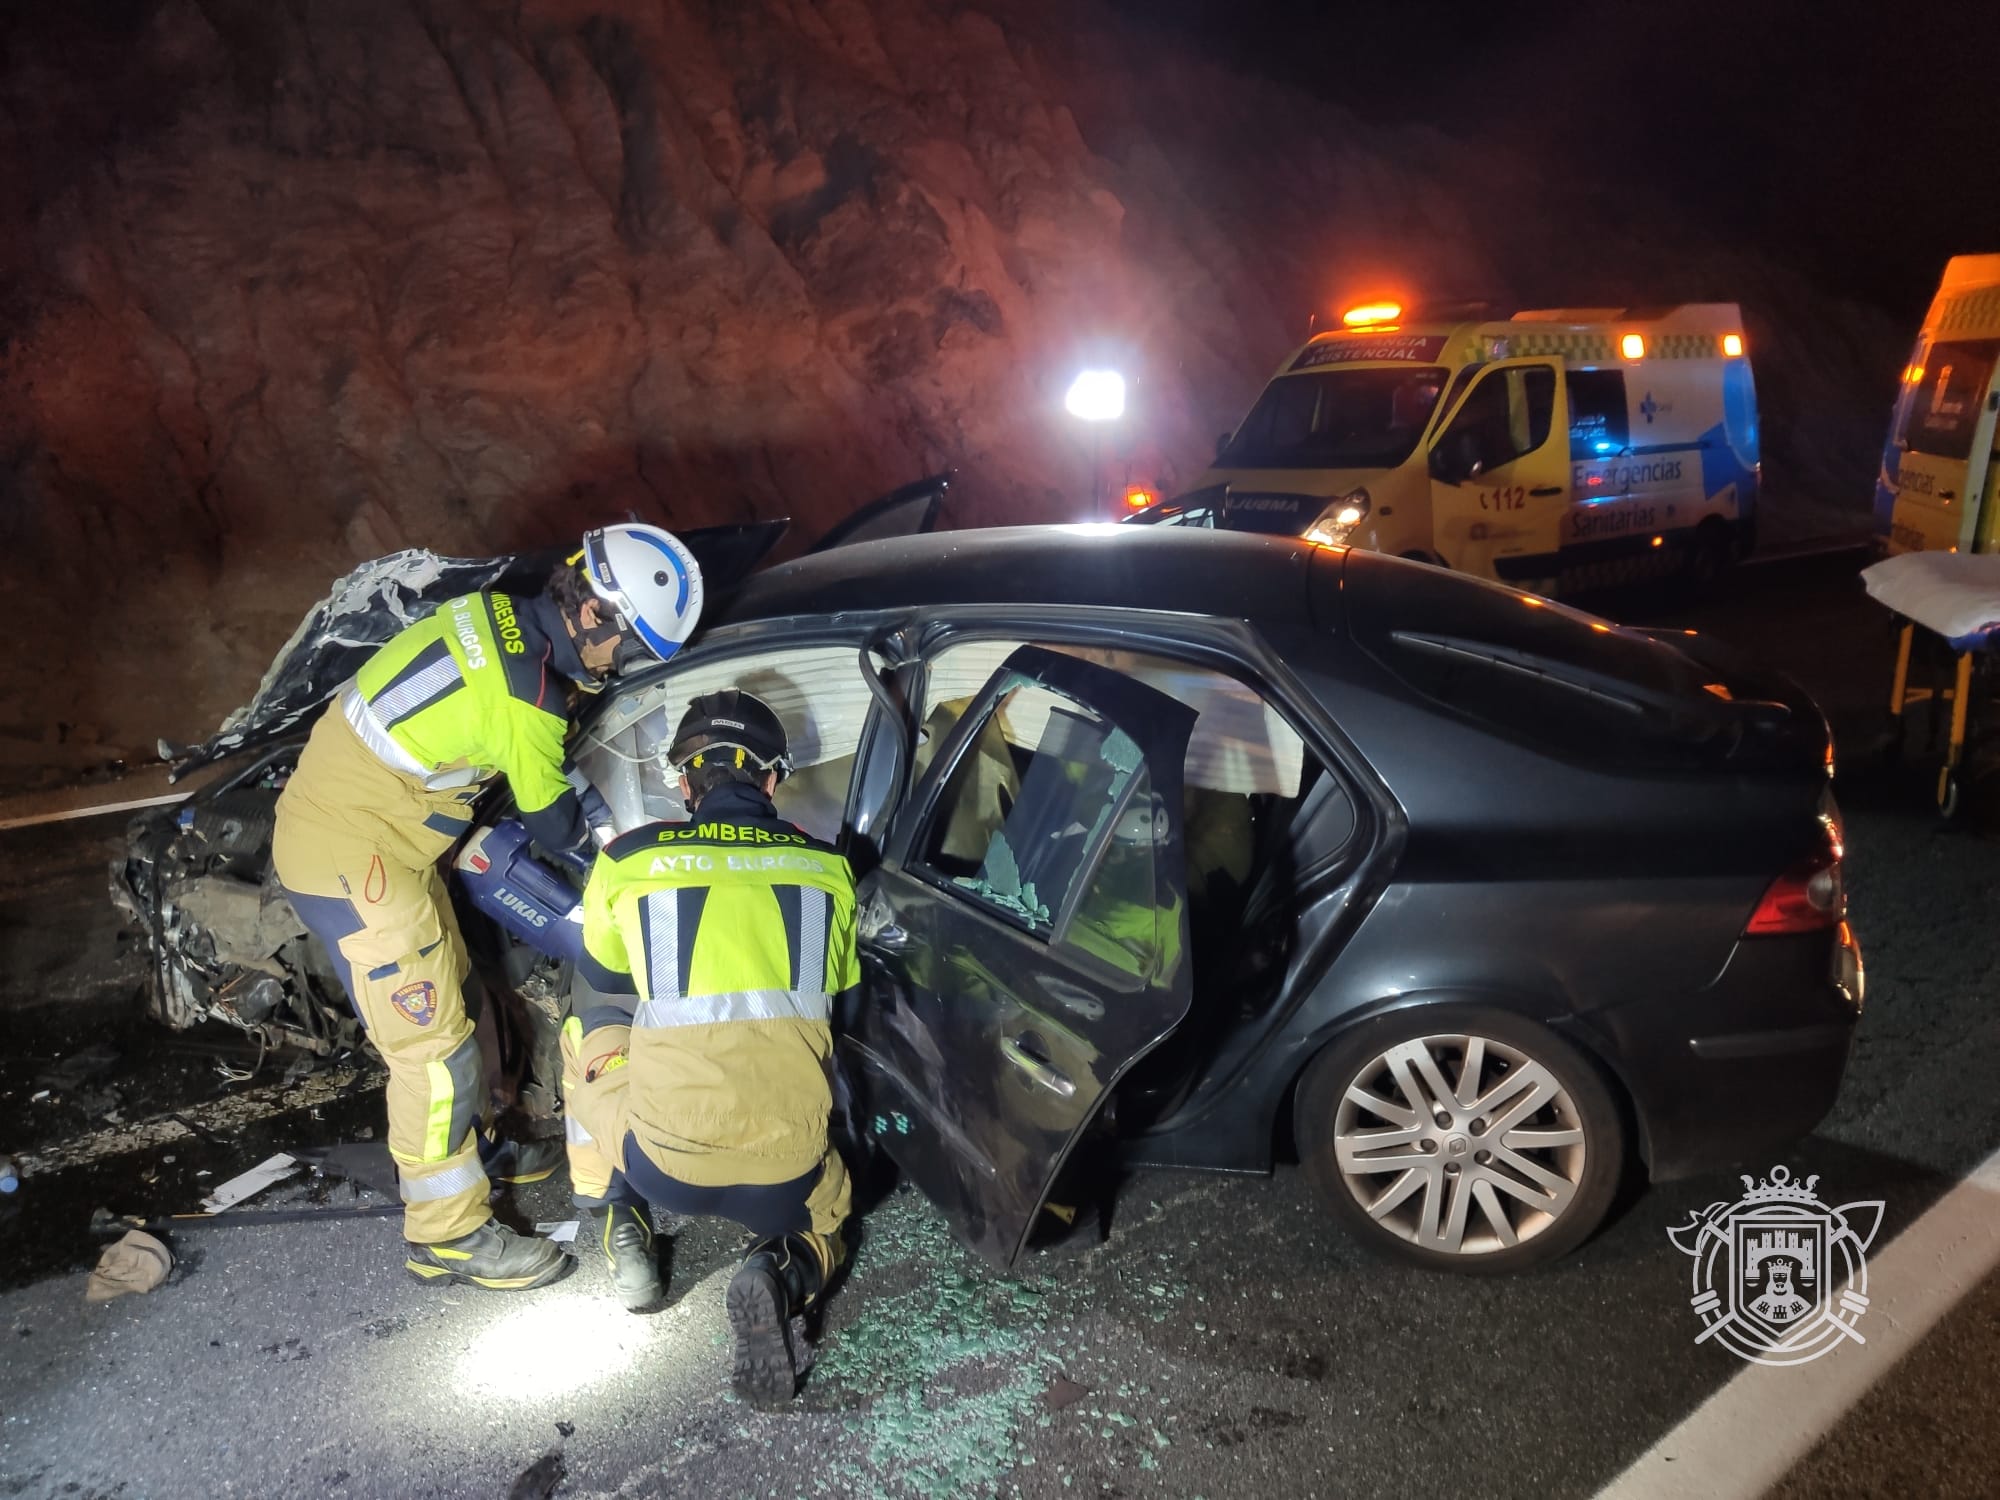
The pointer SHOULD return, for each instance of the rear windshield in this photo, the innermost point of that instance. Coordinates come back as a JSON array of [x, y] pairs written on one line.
[[1337, 419], [1552, 677]]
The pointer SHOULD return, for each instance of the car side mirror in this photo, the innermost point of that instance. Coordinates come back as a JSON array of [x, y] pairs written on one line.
[[1455, 459]]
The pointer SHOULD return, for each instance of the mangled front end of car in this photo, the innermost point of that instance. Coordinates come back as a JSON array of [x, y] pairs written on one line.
[[225, 945]]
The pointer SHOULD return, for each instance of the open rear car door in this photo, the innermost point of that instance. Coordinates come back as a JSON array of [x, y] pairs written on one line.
[[1024, 941]]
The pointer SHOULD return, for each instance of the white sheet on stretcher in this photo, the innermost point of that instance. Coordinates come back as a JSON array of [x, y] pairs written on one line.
[[1956, 594]]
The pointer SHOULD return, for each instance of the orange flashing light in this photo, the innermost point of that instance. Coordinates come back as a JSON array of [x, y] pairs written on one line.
[[1732, 345], [1138, 497], [1659, 541], [1912, 374], [1600, 629], [1369, 314], [1633, 346]]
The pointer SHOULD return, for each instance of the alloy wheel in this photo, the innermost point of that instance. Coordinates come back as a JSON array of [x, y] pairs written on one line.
[[1459, 1145]]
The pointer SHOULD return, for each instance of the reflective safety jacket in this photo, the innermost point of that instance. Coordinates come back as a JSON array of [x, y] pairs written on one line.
[[476, 690], [733, 934]]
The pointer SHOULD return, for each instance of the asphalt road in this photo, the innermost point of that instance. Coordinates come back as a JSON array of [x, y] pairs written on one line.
[[1224, 1340]]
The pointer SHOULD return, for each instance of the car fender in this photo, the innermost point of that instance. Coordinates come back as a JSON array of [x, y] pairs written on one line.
[[1545, 1008]]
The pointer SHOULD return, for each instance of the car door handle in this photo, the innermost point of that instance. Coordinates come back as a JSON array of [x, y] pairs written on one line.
[[1947, 494], [1546, 489], [1036, 1068]]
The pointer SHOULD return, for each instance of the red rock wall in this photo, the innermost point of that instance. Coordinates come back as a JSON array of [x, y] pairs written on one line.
[[290, 283]]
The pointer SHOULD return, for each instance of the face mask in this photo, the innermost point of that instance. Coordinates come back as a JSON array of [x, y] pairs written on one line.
[[631, 656]]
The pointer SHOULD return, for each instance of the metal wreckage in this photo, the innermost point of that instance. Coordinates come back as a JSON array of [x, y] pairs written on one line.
[[197, 879]]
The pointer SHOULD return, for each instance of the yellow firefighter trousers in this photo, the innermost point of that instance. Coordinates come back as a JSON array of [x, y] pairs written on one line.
[[356, 848], [596, 1077]]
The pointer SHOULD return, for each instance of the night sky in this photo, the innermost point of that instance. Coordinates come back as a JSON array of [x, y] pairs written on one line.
[[1857, 140]]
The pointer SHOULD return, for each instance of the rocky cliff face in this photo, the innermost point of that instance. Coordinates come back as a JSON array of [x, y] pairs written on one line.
[[289, 283]]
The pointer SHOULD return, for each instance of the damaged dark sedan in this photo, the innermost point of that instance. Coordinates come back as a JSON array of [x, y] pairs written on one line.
[[1198, 849]]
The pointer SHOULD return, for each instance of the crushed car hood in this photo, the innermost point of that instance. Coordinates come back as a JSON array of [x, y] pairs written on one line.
[[371, 604]]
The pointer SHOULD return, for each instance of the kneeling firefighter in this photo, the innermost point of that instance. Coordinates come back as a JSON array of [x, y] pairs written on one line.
[[383, 789], [697, 1062]]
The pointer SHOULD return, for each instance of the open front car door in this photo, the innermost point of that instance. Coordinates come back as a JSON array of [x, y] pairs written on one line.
[[1024, 942]]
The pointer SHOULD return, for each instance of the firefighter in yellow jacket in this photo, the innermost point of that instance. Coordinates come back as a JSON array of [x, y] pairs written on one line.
[[697, 1062], [383, 789]]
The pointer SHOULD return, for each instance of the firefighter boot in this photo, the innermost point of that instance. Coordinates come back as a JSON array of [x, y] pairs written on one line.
[[625, 1233], [520, 1162], [492, 1256], [766, 1301]]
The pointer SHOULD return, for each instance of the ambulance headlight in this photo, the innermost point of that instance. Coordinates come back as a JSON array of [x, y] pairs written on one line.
[[1337, 522]]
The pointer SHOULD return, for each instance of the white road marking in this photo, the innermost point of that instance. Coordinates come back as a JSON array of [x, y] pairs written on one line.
[[217, 1117], [1749, 1434], [96, 810], [149, 786]]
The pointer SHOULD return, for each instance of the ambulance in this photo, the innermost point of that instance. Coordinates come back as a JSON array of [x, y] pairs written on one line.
[[1936, 489], [1553, 450]]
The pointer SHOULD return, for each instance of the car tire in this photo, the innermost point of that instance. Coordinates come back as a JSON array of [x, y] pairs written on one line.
[[1567, 1150]]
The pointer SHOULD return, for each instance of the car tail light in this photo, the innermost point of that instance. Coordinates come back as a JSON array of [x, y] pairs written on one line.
[[1809, 897]]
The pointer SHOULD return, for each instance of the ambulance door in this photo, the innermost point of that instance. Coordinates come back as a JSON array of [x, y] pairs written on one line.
[[1500, 474], [1944, 469]]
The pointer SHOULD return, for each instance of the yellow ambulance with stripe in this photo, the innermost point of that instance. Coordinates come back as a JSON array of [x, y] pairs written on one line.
[[1553, 450], [1936, 490]]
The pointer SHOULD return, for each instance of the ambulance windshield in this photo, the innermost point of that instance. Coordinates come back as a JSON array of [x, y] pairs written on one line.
[[1337, 419]]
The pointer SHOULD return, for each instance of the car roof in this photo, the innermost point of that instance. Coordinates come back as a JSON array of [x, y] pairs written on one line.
[[1185, 569]]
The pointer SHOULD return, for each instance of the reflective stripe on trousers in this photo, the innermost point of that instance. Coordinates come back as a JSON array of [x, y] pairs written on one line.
[[734, 1005], [464, 1178], [457, 1083]]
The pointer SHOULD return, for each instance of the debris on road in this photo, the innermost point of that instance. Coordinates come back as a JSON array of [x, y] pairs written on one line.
[[271, 1170], [545, 1475], [79, 1067], [361, 1164], [104, 1222], [210, 1121], [137, 1263], [1063, 1392]]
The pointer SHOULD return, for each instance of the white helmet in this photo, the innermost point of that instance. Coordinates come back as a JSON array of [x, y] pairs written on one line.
[[1144, 823], [651, 582]]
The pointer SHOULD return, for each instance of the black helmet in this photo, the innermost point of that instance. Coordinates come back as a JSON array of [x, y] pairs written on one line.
[[735, 725]]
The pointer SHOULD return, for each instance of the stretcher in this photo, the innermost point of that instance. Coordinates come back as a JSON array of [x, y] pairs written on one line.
[[1954, 596]]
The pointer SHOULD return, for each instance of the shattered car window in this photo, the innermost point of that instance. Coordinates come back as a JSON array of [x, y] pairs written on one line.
[[1027, 801], [1129, 916], [1240, 745], [818, 694]]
